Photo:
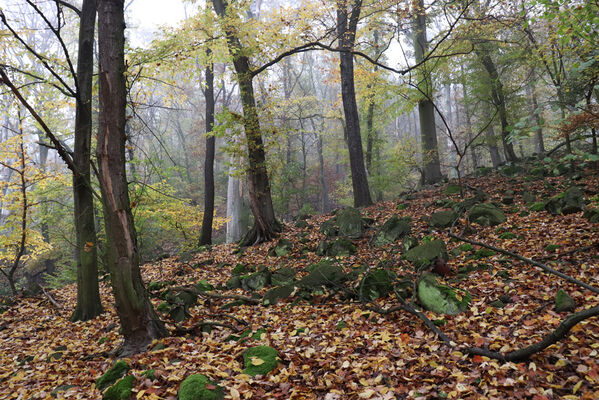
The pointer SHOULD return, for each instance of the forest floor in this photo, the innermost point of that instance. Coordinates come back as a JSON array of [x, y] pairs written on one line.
[[336, 349]]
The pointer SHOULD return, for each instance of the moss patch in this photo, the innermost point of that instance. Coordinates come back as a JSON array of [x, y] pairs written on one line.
[[120, 390], [199, 387], [260, 360], [118, 370]]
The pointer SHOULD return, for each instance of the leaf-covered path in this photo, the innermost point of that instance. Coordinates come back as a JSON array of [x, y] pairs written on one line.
[[333, 348]]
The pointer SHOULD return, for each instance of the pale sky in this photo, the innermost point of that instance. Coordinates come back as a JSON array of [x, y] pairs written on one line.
[[145, 17]]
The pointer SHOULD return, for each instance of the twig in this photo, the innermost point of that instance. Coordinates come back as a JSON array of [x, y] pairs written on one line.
[[576, 250], [528, 261], [54, 302], [180, 330], [525, 316], [238, 320], [230, 296]]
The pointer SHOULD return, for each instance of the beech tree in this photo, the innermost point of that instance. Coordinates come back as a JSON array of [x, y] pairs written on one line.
[[139, 322]]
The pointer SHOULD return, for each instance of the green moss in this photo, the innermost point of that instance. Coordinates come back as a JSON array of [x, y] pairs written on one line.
[[119, 369], [265, 356], [551, 247], [163, 307], [149, 374], [452, 188], [483, 253], [538, 206], [120, 390], [102, 340], [199, 387], [204, 286]]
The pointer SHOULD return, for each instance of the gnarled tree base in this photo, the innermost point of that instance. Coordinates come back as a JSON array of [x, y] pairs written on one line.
[[257, 235]]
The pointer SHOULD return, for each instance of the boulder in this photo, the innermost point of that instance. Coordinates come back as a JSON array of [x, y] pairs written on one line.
[[568, 202], [233, 283], [486, 214], [120, 390], [323, 274], [282, 276], [452, 188], [442, 219], [564, 302], [393, 229], [377, 283], [528, 197], [423, 255], [117, 371], [257, 280], [282, 248], [273, 296], [409, 242], [199, 387], [350, 223], [203, 286], [592, 215], [260, 360], [439, 298], [329, 228], [508, 197], [339, 247]]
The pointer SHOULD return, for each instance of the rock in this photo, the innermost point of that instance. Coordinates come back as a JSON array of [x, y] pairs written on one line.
[[283, 276], [233, 283], [260, 360], [393, 229], [282, 248], [564, 302], [257, 280], [508, 197], [329, 228], [423, 255], [538, 206], [301, 224], [409, 242], [378, 283], [486, 214], [510, 170], [273, 296], [118, 370], [199, 387], [439, 298], [592, 215], [528, 197], [239, 269], [568, 202], [443, 219], [349, 221], [120, 390], [339, 247], [323, 274], [203, 286]]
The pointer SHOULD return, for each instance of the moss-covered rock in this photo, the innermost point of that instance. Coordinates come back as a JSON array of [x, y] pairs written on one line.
[[409, 242], [393, 229], [118, 370], [257, 280], [203, 286], [592, 215], [199, 387], [443, 219], [528, 197], [329, 228], [283, 276], [564, 302], [441, 299], [282, 248], [422, 255], [568, 202], [350, 223], [273, 296], [340, 247], [233, 283], [508, 197], [507, 235], [260, 360], [323, 274], [378, 283], [486, 214], [452, 188], [120, 390], [536, 207], [301, 224]]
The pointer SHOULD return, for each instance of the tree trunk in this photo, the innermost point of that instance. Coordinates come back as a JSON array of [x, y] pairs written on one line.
[[491, 139], [88, 294], [346, 30], [49, 264], [498, 98], [535, 112], [206, 235], [139, 322], [266, 225], [426, 109]]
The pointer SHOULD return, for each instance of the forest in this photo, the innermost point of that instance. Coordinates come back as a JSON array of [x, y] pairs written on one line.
[[275, 199]]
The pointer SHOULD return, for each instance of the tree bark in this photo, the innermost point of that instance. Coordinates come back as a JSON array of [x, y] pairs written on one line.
[[266, 226], [139, 322], [206, 234], [88, 293], [498, 98], [426, 109], [347, 23], [535, 112], [491, 139]]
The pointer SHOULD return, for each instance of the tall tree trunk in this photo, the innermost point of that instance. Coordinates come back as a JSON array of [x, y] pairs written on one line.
[[139, 322], [467, 114], [266, 225], [498, 98], [535, 112], [452, 151], [206, 234], [426, 109], [347, 23], [491, 139], [49, 264], [88, 294], [562, 109]]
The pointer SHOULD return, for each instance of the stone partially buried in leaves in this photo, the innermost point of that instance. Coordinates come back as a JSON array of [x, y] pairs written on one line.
[[339, 247], [283, 276], [118, 370], [120, 390], [393, 229], [564, 302], [257, 280], [273, 296], [350, 223], [282, 248], [486, 214], [423, 255], [323, 274], [443, 219], [199, 387], [439, 298], [378, 283], [259, 360]]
